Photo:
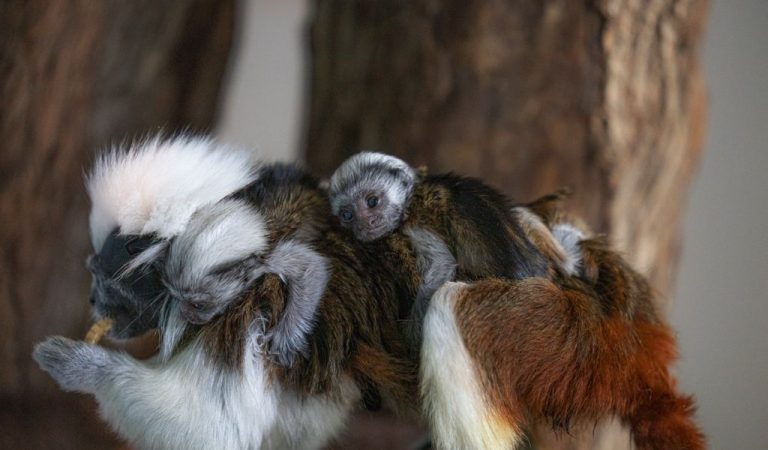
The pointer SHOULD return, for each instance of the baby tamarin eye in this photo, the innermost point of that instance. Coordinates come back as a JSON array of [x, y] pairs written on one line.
[[372, 201], [198, 306]]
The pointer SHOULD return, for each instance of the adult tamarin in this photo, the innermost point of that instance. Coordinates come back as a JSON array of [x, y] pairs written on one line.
[[217, 385]]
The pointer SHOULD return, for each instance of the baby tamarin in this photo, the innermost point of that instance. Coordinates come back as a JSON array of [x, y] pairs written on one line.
[[240, 239], [459, 227]]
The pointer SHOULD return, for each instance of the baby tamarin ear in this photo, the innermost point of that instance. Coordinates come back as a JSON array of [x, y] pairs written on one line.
[[369, 193]]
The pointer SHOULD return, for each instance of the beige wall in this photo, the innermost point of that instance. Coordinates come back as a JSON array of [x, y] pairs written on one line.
[[721, 306], [263, 106]]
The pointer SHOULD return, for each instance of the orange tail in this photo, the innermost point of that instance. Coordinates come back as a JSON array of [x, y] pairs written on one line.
[[663, 421]]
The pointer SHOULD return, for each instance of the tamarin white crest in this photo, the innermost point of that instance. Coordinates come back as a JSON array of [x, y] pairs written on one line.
[[142, 195]]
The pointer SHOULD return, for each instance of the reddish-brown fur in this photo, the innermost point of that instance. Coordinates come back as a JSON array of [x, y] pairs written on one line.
[[578, 350]]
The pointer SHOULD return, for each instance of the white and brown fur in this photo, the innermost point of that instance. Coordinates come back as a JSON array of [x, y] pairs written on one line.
[[243, 399], [517, 344], [145, 193], [537, 351], [267, 227], [217, 385]]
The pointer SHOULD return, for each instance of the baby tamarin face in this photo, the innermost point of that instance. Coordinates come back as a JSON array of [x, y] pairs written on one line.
[[215, 260], [369, 193]]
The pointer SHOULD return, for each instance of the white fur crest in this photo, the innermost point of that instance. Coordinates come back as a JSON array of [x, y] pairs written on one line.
[[155, 185]]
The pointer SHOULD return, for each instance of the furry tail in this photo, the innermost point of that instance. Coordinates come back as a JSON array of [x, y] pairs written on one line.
[[663, 421]]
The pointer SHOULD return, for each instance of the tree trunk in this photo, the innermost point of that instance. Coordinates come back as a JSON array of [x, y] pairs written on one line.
[[603, 96], [74, 77]]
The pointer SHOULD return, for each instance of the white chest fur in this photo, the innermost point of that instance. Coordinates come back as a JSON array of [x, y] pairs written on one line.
[[187, 402]]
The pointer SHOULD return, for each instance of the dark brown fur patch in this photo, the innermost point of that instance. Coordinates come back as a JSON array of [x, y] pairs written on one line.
[[477, 224]]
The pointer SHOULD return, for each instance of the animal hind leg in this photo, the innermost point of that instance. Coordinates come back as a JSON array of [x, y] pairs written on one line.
[[455, 402]]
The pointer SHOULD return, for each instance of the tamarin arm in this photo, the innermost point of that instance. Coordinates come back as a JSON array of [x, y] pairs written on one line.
[[436, 265]]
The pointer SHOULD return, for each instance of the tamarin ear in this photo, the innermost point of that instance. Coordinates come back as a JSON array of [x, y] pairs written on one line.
[[305, 274], [548, 207]]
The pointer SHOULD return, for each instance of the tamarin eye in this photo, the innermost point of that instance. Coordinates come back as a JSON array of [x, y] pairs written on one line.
[[346, 215], [197, 306], [372, 201]]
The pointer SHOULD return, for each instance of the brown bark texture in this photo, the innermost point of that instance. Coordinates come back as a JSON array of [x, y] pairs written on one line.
[[603, 96], [75, 76]]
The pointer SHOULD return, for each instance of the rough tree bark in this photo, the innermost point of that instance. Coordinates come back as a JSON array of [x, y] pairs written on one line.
[[76, 75], [604, 96]]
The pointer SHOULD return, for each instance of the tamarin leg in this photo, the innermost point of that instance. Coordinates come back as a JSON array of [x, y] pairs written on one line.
[[455, 401]]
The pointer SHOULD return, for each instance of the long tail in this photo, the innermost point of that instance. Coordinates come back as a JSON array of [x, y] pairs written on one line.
[[664, 420]]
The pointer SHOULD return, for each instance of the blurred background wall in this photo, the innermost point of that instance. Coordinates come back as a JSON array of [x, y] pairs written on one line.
[[721, 301]]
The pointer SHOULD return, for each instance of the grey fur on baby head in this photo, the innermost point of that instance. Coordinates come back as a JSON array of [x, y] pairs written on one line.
[[369, 193], [224, 250], [368, 169], [212, 263]]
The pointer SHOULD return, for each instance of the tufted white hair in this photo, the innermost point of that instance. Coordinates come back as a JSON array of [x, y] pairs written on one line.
[[154, 186]]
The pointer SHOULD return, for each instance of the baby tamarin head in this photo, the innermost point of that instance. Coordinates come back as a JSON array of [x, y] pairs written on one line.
[[224, 251], [216, 259], [369, 193]]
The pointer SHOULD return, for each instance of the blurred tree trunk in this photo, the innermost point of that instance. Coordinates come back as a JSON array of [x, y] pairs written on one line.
[[604, 96], [75, 76]]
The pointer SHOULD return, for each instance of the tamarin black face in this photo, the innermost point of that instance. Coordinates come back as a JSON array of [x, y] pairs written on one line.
[[126, 282], [369, 194]]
